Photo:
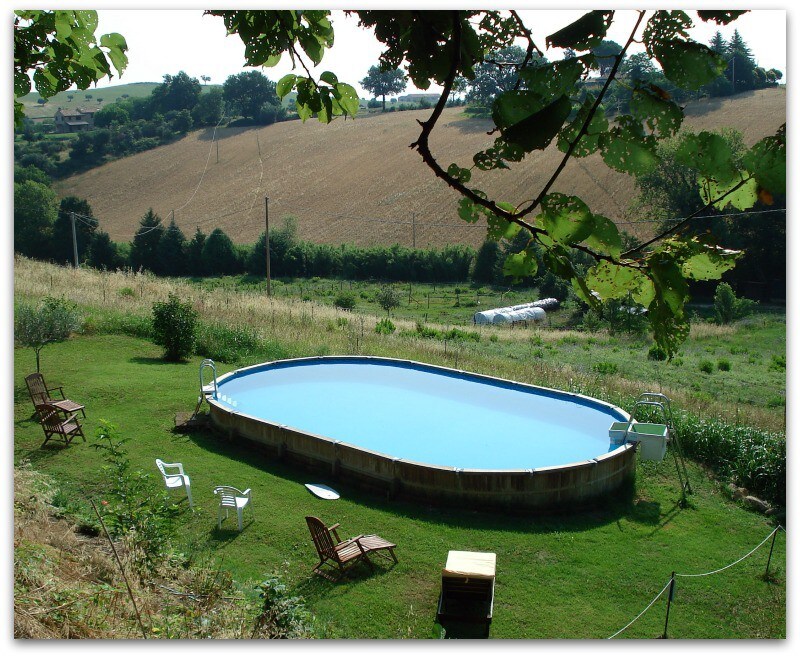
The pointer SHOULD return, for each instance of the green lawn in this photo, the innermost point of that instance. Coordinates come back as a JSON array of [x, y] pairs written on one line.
[[582, 575]]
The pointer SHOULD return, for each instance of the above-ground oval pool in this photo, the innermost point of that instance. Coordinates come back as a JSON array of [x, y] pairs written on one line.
[[428, 432]]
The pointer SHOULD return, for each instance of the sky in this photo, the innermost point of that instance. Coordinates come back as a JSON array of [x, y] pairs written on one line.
[[168, 41]]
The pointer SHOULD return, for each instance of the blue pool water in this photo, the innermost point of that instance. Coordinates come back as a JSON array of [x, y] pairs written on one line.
[[424, 414]]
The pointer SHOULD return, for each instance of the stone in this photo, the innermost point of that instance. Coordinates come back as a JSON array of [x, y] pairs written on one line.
[[758, 505]]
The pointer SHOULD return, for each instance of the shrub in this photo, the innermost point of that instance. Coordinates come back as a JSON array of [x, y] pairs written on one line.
[[605, 368], [174, 328], [51, 321], [754, 458], [724, 365], [727, 307], [345, 301], [385, 327], [706, 366], [778, 363], [136, 507], [656, 353], [281, 616]]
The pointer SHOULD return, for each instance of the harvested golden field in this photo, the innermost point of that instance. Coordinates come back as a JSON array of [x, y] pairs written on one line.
[[358, 181]]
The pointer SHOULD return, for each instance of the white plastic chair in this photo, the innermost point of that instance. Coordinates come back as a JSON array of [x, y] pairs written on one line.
[[232, 498], [176, 480]]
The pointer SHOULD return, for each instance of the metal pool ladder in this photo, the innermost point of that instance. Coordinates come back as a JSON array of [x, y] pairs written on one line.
[[662, 403], [206, 388]]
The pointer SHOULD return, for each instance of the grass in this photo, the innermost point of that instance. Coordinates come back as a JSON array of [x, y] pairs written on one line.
[[601, 567]]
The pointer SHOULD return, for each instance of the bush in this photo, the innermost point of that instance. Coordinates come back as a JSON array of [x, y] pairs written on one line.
[[656, 353], [753, 458], [345, 301], [174, 328], [385, 327], [706, 366], [605, 368], [727, 307], [778, 363], [724, 365]]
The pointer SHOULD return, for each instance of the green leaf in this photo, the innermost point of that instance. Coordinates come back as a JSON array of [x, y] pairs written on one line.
[[551, 80], [709, 154], [520, 265], [604, 237], [628, 153], [743, 198], [590, 141], [285, 84], [330, 78], [670, 285], [537, 131], [612, 281], [499, 228], [514, 106], [461, 175], [117, 46], [710, 265], [767, 161], [663, 117], [689, 64], [311, 46], [721, 17], [467, 211], [566, 219], [349, 98], [63, 24], [585, 33]]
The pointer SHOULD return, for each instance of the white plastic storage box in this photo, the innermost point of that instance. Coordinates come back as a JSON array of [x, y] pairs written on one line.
[[652, 438]]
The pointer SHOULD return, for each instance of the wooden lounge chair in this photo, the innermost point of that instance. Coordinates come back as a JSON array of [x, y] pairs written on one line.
[[54, 424], [344, 554], [41, 394]]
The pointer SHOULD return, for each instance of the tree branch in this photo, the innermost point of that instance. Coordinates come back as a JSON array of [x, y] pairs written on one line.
[[585, 127], [682, 224]]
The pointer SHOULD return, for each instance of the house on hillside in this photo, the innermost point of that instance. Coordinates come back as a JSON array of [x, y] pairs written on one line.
[[415, 98], [76, 120]]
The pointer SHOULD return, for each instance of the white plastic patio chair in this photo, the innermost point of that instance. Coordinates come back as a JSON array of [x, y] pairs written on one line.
[[177, 479], [232, 498]]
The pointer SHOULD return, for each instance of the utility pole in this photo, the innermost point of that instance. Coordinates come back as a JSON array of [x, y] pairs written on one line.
[[74, 239], [414, 230], [266, 243]]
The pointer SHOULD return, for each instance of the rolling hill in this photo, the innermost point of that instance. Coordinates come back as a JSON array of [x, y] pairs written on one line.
[[358, 181]]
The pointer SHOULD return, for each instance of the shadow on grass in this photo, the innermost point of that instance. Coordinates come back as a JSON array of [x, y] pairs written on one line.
[[154, 360], [620, 505]]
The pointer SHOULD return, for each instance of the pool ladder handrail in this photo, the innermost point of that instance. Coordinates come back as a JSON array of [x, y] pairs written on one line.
[[663, 404], [205, 389]]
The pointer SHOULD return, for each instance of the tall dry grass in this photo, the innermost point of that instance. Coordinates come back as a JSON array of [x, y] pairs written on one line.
[[314, 329]]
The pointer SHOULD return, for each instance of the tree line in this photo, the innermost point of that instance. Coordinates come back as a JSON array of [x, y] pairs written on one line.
[[499, 73]]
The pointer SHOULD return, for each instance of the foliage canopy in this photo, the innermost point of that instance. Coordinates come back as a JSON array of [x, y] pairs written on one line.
[[548, 105]]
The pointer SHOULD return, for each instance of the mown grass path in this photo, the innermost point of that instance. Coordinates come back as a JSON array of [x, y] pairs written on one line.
[[583, 575]]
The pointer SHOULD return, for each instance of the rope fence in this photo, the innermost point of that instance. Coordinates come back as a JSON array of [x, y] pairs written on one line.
[[671, 583]]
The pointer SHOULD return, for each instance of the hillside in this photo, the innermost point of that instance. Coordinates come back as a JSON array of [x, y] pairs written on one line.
[[357, 181], [87, 99]]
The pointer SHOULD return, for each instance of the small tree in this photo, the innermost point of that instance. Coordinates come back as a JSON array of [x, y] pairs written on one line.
[[384, 83], [727, 307], [52, 321], [387, 298], [174, 328]]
